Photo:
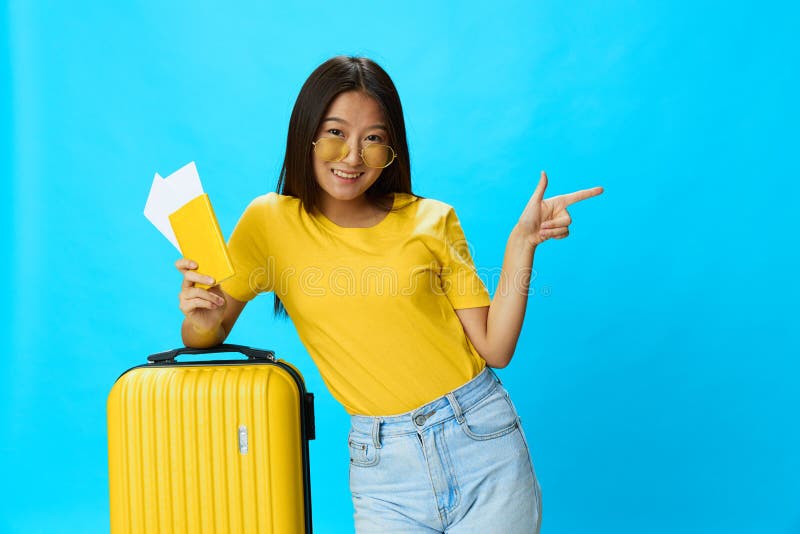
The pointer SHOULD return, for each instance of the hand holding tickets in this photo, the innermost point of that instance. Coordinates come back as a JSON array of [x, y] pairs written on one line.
[[182, 212]]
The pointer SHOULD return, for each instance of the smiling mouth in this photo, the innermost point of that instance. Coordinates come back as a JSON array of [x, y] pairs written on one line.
[[346, 175]]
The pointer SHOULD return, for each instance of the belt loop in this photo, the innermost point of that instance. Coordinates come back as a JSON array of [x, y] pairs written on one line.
[[495, 375], [376, 432], [456, 407]]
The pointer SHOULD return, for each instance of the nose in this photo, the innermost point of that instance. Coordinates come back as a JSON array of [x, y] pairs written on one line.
[[353, 157]]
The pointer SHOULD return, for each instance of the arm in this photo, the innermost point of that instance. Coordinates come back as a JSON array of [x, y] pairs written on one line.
[[494, 330], [210, 314]]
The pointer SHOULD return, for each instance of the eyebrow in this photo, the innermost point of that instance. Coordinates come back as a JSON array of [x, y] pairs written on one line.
[[373, 127]]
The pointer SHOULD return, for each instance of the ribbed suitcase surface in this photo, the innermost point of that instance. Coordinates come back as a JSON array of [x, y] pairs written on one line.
[[214, 447]]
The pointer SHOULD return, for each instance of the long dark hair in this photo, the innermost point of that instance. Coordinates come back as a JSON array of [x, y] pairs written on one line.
[[338, 75]]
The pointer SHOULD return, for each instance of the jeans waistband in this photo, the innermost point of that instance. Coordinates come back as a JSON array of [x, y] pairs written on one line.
[[450, 405]]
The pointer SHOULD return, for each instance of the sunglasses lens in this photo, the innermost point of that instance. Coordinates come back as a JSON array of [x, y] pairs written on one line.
[[378, 156], [331, 149]]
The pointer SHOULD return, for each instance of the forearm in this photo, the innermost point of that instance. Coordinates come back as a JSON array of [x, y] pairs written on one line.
[[507, 309], [201, 339]]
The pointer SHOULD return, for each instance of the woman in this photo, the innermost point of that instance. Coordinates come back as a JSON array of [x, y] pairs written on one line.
[[385, 297]]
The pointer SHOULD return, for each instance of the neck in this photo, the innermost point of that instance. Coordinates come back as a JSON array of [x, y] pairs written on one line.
[[352, 213]]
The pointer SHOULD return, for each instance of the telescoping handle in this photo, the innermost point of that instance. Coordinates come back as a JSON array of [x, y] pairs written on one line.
[[250, 352]]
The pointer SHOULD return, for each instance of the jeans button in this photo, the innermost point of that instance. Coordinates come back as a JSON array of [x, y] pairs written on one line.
[[420, 419]]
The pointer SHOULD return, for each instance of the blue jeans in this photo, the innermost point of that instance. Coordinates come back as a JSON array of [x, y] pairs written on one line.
[[459, 464]]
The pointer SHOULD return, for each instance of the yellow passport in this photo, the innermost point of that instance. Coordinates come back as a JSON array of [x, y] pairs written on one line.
[[200, 238]]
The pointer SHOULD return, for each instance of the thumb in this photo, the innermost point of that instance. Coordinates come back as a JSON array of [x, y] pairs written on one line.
[[538, 195]]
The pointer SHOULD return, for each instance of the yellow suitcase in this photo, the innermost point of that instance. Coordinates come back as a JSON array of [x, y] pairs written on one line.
[[216, 446]]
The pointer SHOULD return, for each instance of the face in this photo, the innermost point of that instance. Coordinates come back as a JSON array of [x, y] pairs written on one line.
[[356, 118]]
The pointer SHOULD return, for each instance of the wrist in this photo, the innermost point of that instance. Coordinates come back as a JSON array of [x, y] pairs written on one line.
[[519, 240], [198, 336], [203, 330]]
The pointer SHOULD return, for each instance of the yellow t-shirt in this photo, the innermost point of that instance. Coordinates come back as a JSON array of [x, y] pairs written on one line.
[[373, 306]]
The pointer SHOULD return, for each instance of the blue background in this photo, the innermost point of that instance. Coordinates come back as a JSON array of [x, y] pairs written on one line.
[[657, 369]]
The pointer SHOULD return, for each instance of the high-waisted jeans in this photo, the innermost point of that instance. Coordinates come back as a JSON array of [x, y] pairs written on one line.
[[459, 464]]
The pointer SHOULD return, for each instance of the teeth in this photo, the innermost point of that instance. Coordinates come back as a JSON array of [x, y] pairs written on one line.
[[341, 174]]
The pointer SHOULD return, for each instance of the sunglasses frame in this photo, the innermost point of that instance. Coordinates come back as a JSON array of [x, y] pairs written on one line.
[[361, 152]]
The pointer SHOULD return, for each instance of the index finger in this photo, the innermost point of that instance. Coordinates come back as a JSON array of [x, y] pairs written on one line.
[[583, 194], [191, 277], [185, 264]]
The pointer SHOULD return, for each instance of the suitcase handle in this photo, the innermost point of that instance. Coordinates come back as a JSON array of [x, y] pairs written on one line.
[[250, 352]]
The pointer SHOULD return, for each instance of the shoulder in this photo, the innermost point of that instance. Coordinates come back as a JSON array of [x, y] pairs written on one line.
[[267, 211], [425, 208], [271, 204], [439, 215], [273, 199]]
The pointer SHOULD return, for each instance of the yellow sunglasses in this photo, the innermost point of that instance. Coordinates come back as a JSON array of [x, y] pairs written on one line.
[[336, 149]]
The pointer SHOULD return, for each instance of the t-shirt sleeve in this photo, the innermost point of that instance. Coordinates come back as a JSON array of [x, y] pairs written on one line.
[[249, 252], [460, 281]]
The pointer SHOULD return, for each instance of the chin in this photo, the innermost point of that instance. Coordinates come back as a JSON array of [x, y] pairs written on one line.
[[344, 191]]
